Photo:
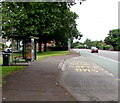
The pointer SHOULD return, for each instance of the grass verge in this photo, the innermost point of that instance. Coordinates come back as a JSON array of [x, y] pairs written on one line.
[[50, 54], [6, 70]]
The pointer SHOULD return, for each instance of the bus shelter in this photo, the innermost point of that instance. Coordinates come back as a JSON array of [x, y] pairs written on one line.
[[23, 50]]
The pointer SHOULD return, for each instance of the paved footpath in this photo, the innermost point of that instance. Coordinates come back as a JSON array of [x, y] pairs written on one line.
[[37, 82]]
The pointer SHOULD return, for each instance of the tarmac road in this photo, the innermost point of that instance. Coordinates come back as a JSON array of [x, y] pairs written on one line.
[[87, 81], [113, 55], [106, 59]]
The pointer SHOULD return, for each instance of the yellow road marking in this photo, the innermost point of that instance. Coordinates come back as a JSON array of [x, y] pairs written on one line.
[[77, 70], [94, 70], [118, 79], [106, 71], [80, 70], [89, 70], [84, 70]]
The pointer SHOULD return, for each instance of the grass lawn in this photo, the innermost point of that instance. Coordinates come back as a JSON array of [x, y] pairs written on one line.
[[6, 70], [50, 54]]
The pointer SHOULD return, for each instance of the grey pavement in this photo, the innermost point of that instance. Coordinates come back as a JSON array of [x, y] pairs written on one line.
[[87, 81], [37, 82]]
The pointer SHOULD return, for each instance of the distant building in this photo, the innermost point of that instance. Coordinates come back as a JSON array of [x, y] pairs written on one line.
[[50, 44]]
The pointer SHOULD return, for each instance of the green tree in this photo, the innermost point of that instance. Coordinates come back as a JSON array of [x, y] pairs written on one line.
[[48, 21], [113, 38], [88, 43]]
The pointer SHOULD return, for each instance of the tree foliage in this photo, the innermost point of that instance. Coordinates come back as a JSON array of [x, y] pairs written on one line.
[[113, 38], [48, 21], [99, 44]]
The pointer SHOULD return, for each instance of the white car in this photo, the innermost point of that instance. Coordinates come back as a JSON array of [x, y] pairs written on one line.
[[8, 50]]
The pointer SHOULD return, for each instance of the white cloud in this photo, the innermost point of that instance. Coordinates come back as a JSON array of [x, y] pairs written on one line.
[[96, 18]]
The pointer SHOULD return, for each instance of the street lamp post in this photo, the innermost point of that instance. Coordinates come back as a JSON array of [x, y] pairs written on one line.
[[14, 29], [69, 44]]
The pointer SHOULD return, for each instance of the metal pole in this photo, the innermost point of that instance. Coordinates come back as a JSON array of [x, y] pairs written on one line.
[[69, 45], [12, 50], [35, 49]]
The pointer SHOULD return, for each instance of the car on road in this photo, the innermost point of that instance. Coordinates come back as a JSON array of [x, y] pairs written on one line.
[[94, 50]]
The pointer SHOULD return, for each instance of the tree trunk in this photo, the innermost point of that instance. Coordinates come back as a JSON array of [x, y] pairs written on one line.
[[3, 46], [17, 45], [40, 45], [45, 47], [35, 56]]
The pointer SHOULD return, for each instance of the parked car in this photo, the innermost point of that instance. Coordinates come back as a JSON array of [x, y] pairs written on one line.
[[8, 50], [94, 50]]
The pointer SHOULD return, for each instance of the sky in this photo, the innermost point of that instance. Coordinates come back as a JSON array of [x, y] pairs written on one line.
[[96, 18]]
